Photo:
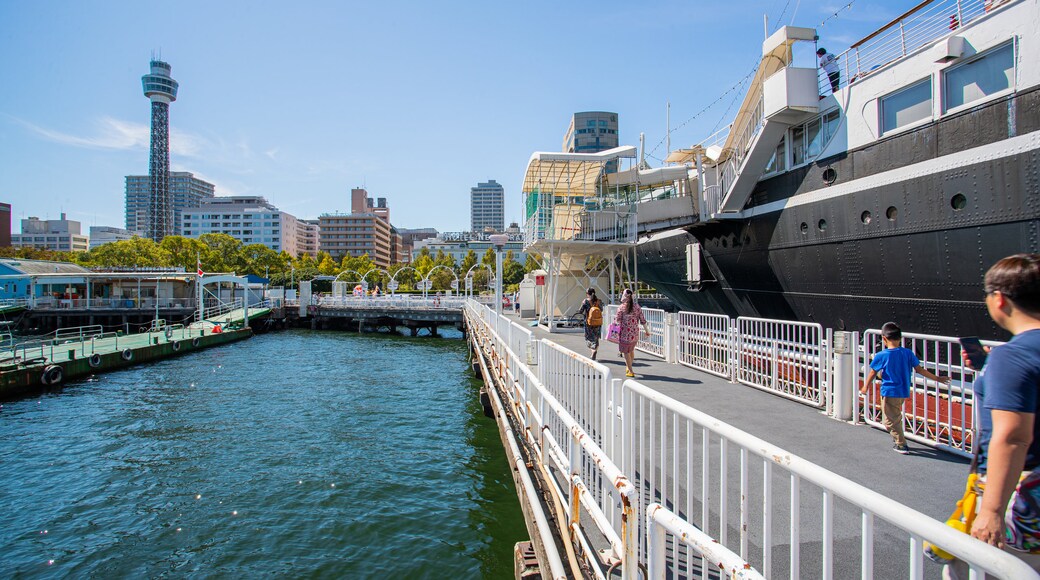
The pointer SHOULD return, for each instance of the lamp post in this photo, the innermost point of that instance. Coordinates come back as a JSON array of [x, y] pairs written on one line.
[[499, 241]]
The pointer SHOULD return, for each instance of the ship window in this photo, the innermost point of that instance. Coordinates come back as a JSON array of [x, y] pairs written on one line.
[[985, 75], [958, 202], [866, 218], [804, 228], [906, 106], [813, 138], [822, 225], [798, 145], [779, 160], [830, 125], [891, 213]]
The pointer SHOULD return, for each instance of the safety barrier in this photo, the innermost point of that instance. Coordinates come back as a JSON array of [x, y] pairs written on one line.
[[705, 342], [677, 456], [790, 359], [580, 474], [936, 414]]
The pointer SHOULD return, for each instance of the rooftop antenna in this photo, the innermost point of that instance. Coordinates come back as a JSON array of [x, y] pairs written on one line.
[[668, 129], [765, 26]]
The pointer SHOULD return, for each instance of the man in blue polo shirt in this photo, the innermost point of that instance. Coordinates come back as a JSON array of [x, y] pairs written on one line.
[[896, 365]]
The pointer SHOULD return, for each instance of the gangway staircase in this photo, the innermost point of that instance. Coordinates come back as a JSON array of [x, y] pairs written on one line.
[[780, 96]]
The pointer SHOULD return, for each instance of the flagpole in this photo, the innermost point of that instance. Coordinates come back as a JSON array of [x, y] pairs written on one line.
[[198, 283]]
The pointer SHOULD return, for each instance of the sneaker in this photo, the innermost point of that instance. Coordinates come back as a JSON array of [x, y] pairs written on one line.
[[901, 449]]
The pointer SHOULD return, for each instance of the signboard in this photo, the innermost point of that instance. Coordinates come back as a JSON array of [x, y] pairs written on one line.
[[392, 285], [364, 286], [539, 280], [469, 284], [454, 284], [425, 284]]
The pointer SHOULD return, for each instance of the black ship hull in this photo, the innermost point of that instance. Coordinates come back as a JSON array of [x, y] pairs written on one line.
[[905, 231]]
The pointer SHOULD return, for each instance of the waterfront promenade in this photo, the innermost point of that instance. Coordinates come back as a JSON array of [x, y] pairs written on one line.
[[927, 480], [772, 483]]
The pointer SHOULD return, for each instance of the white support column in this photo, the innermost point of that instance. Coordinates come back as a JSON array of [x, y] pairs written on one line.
[[671, 339]]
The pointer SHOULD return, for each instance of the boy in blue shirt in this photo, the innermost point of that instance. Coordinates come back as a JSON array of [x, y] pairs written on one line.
[[896, 366]]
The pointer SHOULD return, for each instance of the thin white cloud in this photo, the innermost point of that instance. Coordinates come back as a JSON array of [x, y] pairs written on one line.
[[122, 135], [271, 153]]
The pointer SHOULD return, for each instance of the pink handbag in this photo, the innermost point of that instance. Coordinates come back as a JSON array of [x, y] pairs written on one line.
[[614, 332]]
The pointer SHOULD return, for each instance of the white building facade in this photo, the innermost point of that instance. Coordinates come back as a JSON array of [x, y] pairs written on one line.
[[61, 235], [250, 220], [100, 235]]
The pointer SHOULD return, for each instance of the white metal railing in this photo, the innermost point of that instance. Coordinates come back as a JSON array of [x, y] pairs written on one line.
[[791, 359], [13, 302], [660, 522], [937, 415], [911, 31], [391, 302], [582, 386], [222, 308], [680, 457], [581, 476], [705, 342]]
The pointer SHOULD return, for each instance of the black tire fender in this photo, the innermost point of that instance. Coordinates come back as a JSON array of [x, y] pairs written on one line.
[[52, 375], [176, 345], [127, 354], [195, 342], [94, 361]]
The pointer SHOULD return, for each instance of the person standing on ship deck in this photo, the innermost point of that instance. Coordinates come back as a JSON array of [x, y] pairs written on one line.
[[829, 64]]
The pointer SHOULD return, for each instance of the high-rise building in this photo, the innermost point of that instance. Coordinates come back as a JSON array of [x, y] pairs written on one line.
[[591, 132], [186, 190], [161, 90], [5, 225], [487, 205], [307, 236], [363, 231], [250, 219], [62, 235]]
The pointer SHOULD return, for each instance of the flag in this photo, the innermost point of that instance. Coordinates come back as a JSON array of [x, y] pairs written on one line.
[[198, 264]]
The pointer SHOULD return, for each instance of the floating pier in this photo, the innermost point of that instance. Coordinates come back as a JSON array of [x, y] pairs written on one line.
[[73, 353]]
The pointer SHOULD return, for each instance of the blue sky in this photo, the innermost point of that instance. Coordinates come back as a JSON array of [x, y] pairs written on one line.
[[418, 101]]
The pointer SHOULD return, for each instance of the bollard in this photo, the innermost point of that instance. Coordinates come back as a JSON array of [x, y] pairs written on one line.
[[671, 339], [844, 377], [72, 354]]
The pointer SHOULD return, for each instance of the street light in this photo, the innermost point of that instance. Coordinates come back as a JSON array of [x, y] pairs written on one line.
[[499, 241]]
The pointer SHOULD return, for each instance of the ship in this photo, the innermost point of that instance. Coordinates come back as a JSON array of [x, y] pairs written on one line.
[[881, 193]]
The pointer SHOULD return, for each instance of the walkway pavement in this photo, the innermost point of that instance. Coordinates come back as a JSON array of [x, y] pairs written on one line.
[[927, 480]]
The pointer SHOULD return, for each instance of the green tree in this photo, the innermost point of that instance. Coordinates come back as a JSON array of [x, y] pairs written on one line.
[[328, 266], [512, 272], [489, 258], [533, 262], [133, 253], [467, 262], [223, 253], [183, 252], [424, 264], [260, 260]]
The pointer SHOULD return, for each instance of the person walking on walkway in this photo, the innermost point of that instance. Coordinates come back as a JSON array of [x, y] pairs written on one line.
[[592, 312], [829, 64], [629, 318], [1007, 399], [897, 366]]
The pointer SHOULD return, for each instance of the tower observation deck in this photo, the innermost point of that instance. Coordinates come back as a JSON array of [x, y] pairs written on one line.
[[161, 89]]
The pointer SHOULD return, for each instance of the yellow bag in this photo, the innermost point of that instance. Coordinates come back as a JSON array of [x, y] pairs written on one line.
[[960, 520]]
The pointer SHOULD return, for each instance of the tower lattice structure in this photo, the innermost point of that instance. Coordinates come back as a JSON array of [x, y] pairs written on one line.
[[161, 89]]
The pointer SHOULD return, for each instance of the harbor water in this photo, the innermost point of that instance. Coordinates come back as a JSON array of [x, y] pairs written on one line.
[[300, 454]]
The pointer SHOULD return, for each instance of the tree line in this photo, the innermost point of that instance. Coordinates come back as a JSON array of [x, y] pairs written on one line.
[[223, 253]]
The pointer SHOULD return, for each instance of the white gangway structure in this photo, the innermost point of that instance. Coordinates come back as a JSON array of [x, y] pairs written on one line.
[[582, 228]]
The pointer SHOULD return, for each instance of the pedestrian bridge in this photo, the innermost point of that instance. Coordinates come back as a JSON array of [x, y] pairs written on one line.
[[739, 447]]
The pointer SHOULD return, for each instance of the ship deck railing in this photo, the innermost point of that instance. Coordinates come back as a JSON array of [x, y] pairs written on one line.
[[694, 465], [918, 27]]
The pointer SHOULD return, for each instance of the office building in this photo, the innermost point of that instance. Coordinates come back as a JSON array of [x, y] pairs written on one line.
[[61, 235], [591, 132], [186, 190], [487, 204], [100, 235], [363, 231], [307, 236], [161, 90], [250, 219]]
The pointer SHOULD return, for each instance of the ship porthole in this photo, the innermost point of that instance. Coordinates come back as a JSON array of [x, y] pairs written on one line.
[[829, 175], [891, 213], [866, 218], [958, 202], [822, 224], [805, 228]]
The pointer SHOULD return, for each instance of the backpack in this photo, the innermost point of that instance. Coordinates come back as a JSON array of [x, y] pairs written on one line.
[[595, 317]]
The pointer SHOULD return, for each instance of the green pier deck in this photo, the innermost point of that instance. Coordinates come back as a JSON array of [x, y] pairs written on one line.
[[75, 353]]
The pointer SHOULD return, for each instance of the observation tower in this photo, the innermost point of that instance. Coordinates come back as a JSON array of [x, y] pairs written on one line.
[[161, 89]]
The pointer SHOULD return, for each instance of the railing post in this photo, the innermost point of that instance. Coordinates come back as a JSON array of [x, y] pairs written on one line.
[[671, 339], [734, 350], [843, 383]]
